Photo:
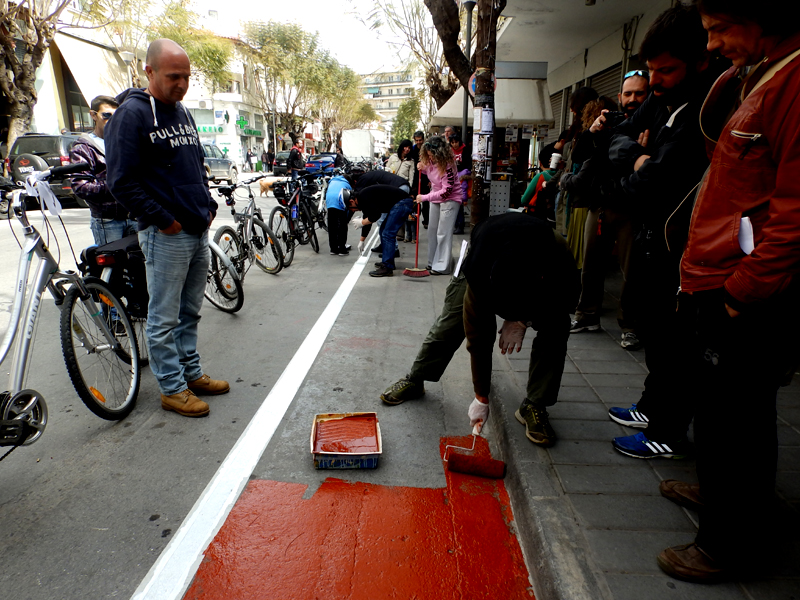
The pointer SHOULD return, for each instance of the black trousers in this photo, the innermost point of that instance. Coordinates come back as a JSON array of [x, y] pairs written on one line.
[[736, 376], [337, 229], [653, 288]]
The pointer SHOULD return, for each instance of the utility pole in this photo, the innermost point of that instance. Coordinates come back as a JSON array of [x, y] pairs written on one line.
[[483, 125]]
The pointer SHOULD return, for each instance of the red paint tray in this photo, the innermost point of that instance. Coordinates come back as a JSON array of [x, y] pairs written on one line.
[[346, 440]]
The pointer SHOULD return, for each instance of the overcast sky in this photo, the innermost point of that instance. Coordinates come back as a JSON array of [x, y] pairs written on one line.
[[340, 31]]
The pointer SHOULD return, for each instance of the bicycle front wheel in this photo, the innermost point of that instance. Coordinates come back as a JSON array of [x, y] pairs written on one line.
[[105, 371], [311, 230], [228, 241], [223, 288], [279, 225], [266, 249]]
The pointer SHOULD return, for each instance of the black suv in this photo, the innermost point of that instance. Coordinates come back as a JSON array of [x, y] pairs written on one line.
[[279, 168], [39, 151]]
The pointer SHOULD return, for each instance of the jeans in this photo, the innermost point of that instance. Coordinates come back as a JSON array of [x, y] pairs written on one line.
[[106, 231], [295, 175], [395, 218], [177, 266]]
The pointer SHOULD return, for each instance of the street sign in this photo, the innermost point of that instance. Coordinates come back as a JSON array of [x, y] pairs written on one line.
[[471, 85]]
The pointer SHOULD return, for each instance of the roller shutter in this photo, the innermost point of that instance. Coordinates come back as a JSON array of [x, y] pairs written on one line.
[[556, 101], [608, 82]]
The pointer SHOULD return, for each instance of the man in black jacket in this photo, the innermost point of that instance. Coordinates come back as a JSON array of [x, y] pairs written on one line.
[[155, 170], [295, 163], [662, 151], [377, 193], [519, 269]]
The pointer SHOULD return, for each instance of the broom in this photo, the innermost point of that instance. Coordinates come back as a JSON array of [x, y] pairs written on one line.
[[416, 272]]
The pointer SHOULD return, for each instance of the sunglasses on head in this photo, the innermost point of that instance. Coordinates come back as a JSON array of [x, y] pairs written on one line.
[[637, 73], [104, 115]]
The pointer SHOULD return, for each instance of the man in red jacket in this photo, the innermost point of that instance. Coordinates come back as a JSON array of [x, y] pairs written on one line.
[[738, 276]]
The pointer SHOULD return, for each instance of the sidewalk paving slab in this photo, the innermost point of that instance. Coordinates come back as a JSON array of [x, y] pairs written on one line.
[[592, 520]]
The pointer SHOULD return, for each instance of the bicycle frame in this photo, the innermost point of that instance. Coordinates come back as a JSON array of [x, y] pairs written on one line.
[[47, 277]]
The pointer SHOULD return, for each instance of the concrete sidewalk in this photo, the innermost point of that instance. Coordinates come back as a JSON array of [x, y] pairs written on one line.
[[592, 520]]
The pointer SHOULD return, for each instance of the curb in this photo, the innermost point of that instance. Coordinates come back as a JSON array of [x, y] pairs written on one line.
[[554, 546]]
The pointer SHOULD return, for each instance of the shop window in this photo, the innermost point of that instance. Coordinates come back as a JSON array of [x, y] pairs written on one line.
[[202, 116]]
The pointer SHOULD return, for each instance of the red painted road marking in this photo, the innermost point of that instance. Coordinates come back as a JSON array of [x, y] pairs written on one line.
[[361, 541]]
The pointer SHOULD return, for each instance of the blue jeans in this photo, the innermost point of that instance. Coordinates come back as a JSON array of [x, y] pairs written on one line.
[[295, 175], [395, 218], [177, 266], [106, 231]]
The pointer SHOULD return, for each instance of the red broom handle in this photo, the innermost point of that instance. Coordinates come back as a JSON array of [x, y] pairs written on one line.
[[416, 253]]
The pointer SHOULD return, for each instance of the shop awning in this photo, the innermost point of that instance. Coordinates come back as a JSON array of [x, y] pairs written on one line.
[[99, 71], [521, 101]]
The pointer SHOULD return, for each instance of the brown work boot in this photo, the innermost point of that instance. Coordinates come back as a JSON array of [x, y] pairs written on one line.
[[690, 563], [185, 403], [683, 494], [205, 386]]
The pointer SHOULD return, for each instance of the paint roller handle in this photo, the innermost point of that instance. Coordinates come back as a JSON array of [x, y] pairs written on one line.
[[476, 430]]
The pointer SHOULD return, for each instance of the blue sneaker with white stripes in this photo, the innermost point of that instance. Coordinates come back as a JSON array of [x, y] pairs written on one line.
[[629, 417], [638, 446]]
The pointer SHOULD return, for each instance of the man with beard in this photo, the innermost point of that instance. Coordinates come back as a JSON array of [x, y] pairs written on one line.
[[661, 150], [635, 86], [612, 222]]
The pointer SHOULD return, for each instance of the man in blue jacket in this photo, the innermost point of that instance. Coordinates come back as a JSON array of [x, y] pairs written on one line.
[[155, 170]]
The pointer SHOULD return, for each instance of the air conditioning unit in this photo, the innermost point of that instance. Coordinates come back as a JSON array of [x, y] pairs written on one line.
[[203, 104]]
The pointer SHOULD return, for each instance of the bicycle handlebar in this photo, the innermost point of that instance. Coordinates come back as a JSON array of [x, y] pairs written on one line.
[[66, 169]]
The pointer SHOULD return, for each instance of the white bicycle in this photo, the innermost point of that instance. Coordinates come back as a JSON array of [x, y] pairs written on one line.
[[97, 338]]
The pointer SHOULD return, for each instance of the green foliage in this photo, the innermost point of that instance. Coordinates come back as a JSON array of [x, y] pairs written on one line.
[[405, 124], [208, 53], [303, 80]]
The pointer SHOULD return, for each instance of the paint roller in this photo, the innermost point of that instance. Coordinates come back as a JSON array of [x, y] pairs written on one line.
[[469, 464]]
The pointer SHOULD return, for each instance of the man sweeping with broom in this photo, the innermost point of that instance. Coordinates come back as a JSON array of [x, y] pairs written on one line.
[[518, 269]]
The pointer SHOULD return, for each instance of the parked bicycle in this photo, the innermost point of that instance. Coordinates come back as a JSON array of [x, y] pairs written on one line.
[[97, 338], [292, 219], [252, 241]]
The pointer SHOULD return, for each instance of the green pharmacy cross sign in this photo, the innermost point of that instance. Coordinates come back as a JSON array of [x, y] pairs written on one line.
[[242, 122]]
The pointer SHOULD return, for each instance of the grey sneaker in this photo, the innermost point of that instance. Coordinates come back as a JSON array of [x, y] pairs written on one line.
[[537, 424], [403, 390], [630, 341], [585, 323]]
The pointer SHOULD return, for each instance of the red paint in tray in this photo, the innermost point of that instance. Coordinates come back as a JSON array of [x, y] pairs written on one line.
[[346, 440], [348, 434]]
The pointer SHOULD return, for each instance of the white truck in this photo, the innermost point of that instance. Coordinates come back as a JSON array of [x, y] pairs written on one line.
[[358, 143]]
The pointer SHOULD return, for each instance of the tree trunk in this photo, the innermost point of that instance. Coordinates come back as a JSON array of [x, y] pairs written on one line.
[[486, 47], [445, 18]]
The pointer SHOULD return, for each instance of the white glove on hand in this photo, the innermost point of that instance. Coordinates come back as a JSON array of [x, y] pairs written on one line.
[[478, 414], [511, 335], [361, 247], [355, 222]]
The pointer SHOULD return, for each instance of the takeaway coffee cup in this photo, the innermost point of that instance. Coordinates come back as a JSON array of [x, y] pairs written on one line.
[[554, 160]]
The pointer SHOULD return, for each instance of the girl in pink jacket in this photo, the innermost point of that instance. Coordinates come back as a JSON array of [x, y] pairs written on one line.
[[438, 163]]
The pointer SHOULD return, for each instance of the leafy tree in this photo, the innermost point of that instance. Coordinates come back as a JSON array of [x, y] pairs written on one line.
[[209, 54], [26, 32], [405, 124]]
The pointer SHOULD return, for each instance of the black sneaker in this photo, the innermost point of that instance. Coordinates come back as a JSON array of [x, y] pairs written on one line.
[[396, 253], [585, 323], [630, 341], [378, 248], [403, 390], [379, 263], [537, 424], [382, 271]]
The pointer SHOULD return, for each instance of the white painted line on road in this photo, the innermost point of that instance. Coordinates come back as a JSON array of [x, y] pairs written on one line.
[[170, 576]]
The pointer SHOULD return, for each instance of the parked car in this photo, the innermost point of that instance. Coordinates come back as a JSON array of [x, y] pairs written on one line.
[[321, 162], [38, 152], [219, 167], [279, 166]]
